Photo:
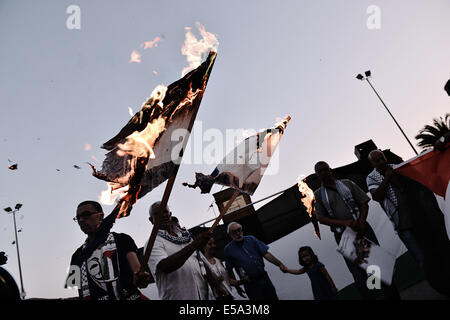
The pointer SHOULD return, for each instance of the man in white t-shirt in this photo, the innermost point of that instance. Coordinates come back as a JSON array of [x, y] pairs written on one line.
[[173, 261]]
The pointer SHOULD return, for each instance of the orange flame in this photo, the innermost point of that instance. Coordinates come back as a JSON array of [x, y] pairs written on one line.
[[189, 99], [309, 201], [140, 143], [151, 44], [308, 194], [196, 50], [135, 57]]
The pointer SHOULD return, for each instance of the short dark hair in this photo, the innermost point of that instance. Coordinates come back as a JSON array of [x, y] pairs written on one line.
[[97, 206], [319, 164], [311, 253]]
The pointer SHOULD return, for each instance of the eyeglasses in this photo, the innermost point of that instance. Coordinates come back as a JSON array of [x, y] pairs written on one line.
[[84, 214], [238, 230]]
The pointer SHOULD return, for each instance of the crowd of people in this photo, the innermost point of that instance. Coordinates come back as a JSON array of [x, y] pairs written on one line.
[[185, 268]]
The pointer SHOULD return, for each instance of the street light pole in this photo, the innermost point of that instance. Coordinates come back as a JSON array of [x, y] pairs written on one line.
[[8, 210], [18, 256], [360, 77]]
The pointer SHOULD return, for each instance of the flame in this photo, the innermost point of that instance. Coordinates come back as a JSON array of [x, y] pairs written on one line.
[[87, 147], [109, 196], [196, 50], [190, 96], [308, 194], [151, 44], [140, 143], [135, 57]]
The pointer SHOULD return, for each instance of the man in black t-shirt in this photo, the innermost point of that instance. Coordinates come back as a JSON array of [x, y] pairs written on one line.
[[111, 270]]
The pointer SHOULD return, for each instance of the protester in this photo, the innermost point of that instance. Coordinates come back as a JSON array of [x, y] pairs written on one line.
[[173, 260], [245, 254], [322, 285], [217, 274], [341, 204], [111, 271], [416, 217]]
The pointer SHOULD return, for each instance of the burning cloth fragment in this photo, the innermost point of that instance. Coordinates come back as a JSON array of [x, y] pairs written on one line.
[[309, 202], [149, 147], [243, 168]]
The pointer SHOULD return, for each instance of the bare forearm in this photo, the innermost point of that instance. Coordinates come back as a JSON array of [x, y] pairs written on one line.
[[133, 261], [269, 257], [293, 271], [380, 193], [176, 260], [364, 211]]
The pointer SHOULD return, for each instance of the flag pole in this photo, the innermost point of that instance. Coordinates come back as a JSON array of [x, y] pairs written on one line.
[[247, 205], [171, 181], [224, 210]]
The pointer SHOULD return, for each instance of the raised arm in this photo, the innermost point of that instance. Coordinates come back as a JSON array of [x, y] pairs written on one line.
[[379, 193]]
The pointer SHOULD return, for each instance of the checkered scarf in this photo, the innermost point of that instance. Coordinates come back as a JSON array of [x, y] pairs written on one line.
[[346, 195], [185, 236], [390, 202]]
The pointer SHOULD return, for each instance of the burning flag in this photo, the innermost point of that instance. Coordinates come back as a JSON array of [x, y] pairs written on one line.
[[309, 202], [143, 154], [243, 168], [432, 169]]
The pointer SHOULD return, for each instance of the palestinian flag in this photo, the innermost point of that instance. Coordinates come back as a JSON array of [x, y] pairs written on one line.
[[432, 169]]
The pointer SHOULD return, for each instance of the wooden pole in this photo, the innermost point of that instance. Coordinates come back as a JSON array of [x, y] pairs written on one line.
[[171, 181], [225, 209]]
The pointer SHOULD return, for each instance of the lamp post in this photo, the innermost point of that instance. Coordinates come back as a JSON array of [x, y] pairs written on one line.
[[17, 208], [366, 77]]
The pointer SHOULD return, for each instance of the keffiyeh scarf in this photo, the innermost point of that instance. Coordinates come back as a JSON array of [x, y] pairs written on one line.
[[390, 202], [185, 236], [346, 195]]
